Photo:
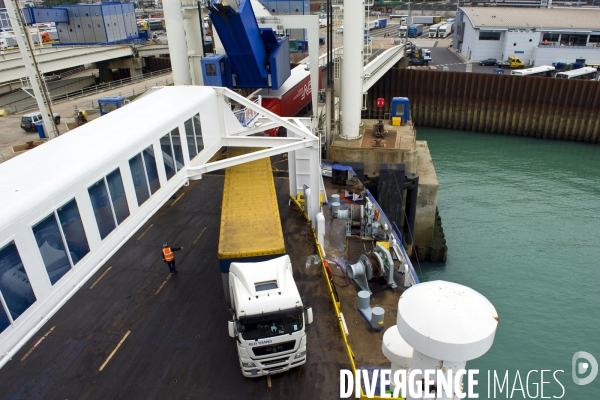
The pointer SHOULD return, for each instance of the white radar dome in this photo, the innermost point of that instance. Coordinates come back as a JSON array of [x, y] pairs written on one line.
[[447, 321]]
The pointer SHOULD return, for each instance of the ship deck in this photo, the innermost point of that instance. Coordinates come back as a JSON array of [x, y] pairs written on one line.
[[177, 345], [364, 342]]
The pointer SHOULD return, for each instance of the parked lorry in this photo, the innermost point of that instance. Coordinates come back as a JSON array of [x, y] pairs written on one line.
[[375, 24], [445, 30], [513, 62], [291, 99], [424, 19], [403, 31], [381, 23], [415, 30], [433, 30], [268, 315]]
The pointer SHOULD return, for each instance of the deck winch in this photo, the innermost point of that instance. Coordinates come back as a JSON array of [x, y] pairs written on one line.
[[363, 217], [374, 264]]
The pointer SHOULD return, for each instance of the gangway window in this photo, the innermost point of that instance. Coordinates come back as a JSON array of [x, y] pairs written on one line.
[[111, 213], [16, 294], [102, 208], [167, 152], [142, 191], [170, 145], [72, 229], [151, 171], [117, 195], [193, 133], [51, 242], [144, 174]]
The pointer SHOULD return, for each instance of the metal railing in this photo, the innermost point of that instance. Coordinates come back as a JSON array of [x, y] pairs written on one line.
[[246, 116], [26, 105], [555, 45]]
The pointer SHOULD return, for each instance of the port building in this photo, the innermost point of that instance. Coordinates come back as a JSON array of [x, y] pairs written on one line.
[[539, 36]]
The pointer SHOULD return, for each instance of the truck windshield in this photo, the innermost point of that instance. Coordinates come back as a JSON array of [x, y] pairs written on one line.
[[272, 324]]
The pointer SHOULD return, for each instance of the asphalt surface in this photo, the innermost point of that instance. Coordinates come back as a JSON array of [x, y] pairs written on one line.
[[177, 346]]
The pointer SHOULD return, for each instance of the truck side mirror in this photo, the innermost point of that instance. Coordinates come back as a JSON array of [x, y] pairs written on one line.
[[309, 316], [231, 327]]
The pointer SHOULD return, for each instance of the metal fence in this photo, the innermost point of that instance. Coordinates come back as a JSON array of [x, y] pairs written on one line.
[[22, 106]]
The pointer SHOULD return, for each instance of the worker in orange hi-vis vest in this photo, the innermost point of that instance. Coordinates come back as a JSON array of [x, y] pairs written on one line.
[[169, 257]]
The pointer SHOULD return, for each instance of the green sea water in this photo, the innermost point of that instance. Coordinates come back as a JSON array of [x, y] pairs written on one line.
[[521, 218]]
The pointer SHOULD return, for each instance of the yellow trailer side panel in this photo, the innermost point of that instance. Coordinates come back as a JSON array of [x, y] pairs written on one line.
[[250, 223]]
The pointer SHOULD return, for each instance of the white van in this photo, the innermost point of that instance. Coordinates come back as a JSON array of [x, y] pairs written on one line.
[[28, 121]]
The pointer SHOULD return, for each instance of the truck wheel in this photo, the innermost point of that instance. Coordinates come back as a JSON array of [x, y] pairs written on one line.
[[28, 126], [57, 120]]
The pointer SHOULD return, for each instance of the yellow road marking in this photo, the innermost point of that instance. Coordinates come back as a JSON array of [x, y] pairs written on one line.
[[269, 381], [143, 233], [114, 351], [198, 237], [37, 344], [163, 284], [101, 276], [177, 199]]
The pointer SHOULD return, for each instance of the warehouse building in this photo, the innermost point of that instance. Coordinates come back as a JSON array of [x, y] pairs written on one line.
[[539, 36]]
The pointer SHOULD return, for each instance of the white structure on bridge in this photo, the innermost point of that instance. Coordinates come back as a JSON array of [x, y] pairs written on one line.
[[539, 35], [70, 204]]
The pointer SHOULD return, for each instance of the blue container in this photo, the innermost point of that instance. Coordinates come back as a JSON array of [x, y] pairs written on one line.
[[400, 108], [498, 71], [40, 128]]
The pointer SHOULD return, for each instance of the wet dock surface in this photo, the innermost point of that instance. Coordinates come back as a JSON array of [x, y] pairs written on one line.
[[177, 345]]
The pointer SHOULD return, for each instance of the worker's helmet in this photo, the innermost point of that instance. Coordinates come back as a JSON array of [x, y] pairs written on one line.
[[165, 244]]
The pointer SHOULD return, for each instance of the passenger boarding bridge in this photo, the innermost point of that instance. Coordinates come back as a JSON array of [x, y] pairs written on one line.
[[71, 203]]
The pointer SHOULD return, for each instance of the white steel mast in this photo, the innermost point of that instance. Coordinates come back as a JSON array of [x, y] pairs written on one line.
[[33, 72]]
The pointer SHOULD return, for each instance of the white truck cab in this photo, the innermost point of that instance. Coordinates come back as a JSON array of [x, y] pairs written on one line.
[[269, 318], [403, 31]]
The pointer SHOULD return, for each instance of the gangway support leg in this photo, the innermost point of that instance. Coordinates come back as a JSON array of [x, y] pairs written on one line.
[[314, 172]]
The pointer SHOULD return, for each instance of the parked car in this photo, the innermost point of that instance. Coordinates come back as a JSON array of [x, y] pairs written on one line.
[[489, 61], [28, 121]]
